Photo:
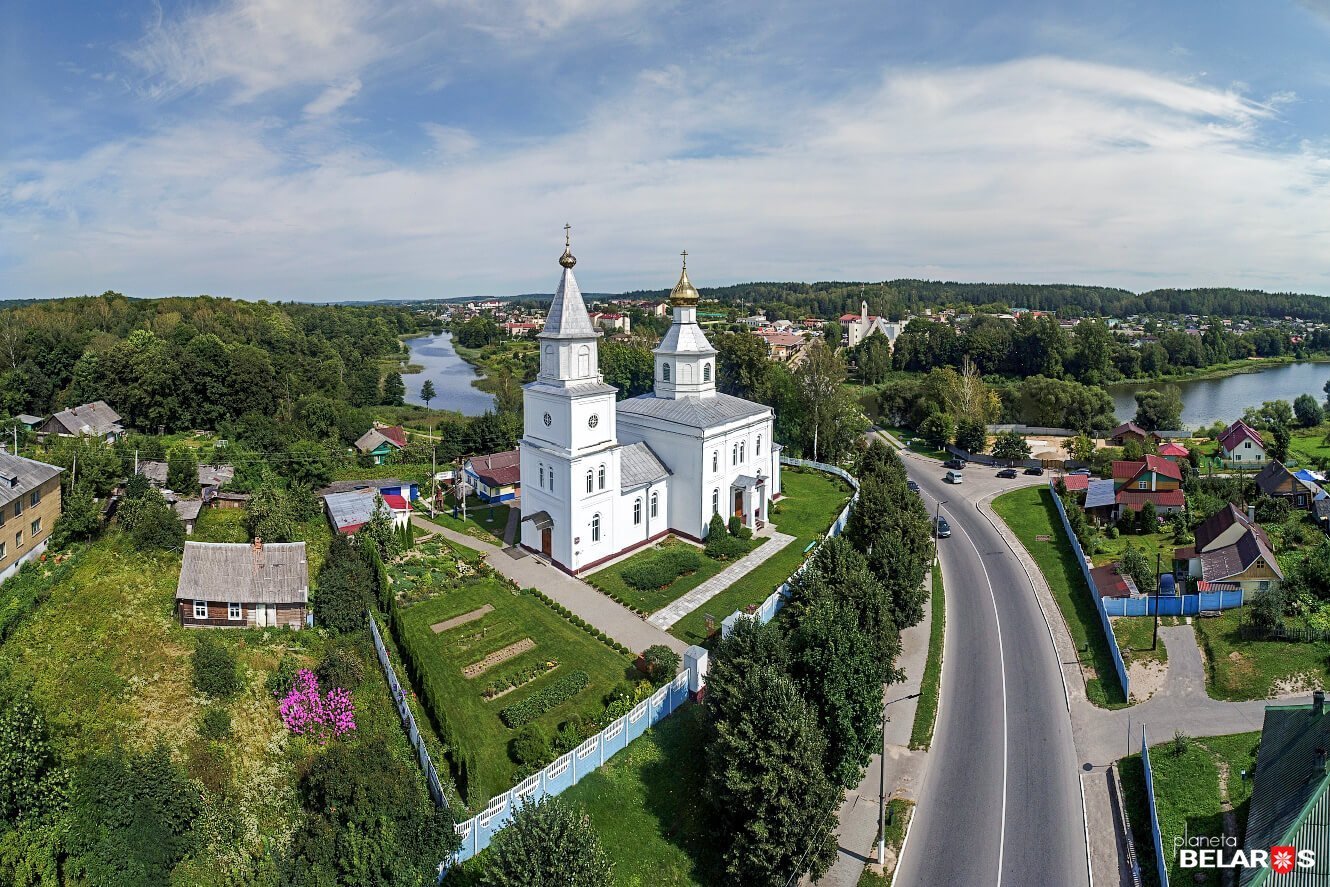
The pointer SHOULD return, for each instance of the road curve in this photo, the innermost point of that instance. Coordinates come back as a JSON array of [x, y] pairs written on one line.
[[1001, 801]]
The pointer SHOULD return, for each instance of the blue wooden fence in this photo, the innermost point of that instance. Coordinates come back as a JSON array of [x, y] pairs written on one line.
[[1174, 605], [1155, 833], [1094, 593]]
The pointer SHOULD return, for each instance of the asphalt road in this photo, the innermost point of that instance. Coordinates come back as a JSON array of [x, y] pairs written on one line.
[[1001, 802]]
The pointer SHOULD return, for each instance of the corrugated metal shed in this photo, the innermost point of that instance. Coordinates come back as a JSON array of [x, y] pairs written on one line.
[[1289, 802]]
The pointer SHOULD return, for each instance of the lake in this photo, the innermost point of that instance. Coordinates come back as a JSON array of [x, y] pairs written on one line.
[[1206, 401], [451, 374]]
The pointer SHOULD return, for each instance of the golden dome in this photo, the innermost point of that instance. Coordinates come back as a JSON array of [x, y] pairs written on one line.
[[567, 260], [684, 293]]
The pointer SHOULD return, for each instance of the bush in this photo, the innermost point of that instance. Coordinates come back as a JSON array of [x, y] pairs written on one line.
[[661, 663], [733, 525], [572, 733], [341, 668], [519, 714], [1112, 532], [280, 681], [662, 567], [531, 746], [720, 544], [215, 723], [215, 668]]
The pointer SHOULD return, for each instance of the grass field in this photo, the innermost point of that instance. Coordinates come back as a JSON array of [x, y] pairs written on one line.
[[646, 805], [1150, 544], [925, 714], [1134, 634], [813, 500], [1030, 513], [1188, 795], [1308, 445], [484, 521], [610, 579], [913, 442], [1239, 669], [474, 721]]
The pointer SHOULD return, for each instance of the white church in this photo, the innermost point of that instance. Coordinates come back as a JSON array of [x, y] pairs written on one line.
[[600, 478]]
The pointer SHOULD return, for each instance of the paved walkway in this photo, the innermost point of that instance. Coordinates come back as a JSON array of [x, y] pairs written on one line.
[[682, 606], [614, 619], [859, 813]]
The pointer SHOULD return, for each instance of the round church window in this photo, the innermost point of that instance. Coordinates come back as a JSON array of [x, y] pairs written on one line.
[[593, 421], [548, 420]]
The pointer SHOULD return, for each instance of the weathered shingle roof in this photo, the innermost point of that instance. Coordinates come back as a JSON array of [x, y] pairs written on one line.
[[694, 412], [374, 438], [1237, 558], [1214, 526], [638, 465], [497, 469], [19, 476], [1289, 777], [188, 509], [239, 572], [89, 418], [209, 475]]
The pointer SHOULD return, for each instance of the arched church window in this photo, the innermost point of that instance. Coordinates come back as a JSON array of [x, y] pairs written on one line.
[[757, 448], [542, 475], [734, 454], [715, 460], [654, 502], [637, 511], [590, 482], [595, 528], [600, 478], [665, 372], [715, 501], [741, 451], [706, 372], [584, 361]]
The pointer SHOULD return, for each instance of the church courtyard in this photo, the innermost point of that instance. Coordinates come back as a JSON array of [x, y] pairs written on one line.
[[631, 581], [482, 646]]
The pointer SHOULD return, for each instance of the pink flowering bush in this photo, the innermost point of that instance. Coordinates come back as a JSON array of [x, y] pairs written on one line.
[[308, 712]]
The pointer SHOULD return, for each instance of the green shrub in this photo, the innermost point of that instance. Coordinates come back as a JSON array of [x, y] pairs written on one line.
[[734, 524], [519, 714], [341, 668], [745, 533], [531, 746], [280, 681], [215, 723], [662, 567], [661, 663], [215, 668]]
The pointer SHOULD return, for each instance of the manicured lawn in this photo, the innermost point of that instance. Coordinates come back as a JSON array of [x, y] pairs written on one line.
[[646, 804], [1030, 513], [925, 714], [610, 579], [1240, 669], [1187, 792], [1150, 544], [1134, 634], [473, 721], [912, 441], [484, 521], [812, 501]]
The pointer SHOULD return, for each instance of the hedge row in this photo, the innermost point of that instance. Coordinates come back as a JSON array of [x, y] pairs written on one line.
[[662, 568], [580, 622], [522, 713]]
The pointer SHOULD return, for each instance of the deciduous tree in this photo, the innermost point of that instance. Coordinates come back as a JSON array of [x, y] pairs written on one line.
[[547, 842]]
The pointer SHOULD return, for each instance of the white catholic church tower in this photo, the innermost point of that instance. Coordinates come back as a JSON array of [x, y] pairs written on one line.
[[600, 477]]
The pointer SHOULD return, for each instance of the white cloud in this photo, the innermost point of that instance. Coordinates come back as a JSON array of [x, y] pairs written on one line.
[[333, 97], [1043, 169]]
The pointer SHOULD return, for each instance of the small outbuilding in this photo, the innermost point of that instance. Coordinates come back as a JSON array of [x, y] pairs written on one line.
[[243, 585]]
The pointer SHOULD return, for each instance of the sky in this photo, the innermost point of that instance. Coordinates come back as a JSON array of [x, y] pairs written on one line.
[[323, 150]]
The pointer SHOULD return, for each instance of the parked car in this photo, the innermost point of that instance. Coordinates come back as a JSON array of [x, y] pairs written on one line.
[[943, 528], [1082, 471], [1008, 473], [954, 477], [955, 463], [911, 486], [1036, 470]]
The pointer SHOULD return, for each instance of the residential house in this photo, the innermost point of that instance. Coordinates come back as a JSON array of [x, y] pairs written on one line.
[[29, 506], [349, 511], [1153, 479], [496, 477], [756, 321], [381, 441], [1277, 481], [1241, 446], [782, 347], [1173, 452], [857, 327], [243, 585], [1290, 806], [1231, 548], [29, 421], [211, 477], [521, 329], [611, 321], [1130, 431], [94, 419]]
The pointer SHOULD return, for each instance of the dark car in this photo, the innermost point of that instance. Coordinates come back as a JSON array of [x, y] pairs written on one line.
[[956, 464], [1035, 470], [943, 528], [911, 486], [1008, 473]]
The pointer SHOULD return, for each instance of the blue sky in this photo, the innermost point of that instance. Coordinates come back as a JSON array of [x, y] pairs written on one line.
[[340, 149]]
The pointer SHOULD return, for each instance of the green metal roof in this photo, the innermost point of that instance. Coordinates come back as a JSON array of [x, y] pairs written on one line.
[[1289, 802]]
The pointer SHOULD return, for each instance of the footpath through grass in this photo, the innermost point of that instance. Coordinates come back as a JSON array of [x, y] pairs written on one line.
[[646, 601], [1031, 514], [925, 714], [812, 501], [1189, 796], [1237, 669], [646, 805]]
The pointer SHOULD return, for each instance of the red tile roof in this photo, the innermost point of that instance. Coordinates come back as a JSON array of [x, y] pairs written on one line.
[[1076, 482], [396, 503], [1173, 449], [394, 433], [1160, 465], [1236, 433], [1126, 470], [1134, 499]]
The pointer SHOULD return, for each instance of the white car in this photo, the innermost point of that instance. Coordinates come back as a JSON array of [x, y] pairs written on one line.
[[954, 477]]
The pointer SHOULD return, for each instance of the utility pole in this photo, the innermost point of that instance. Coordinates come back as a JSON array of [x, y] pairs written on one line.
[[882, 793], [1154, 641]]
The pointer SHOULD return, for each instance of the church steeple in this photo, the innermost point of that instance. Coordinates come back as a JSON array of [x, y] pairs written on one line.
[[685, 360], [568, 351]]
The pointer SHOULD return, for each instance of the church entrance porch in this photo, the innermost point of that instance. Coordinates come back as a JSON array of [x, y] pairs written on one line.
[[750, 500], [547, 541]]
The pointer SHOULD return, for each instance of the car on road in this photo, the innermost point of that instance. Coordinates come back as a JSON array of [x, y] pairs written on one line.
[[954, 477], [943, 528], [1036, 470], [911, 486], [1008, 473], [957, 464], [1082, 471]]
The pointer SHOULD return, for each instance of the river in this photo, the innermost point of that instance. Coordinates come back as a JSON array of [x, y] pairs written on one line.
[[1206, 401], [451, 374]]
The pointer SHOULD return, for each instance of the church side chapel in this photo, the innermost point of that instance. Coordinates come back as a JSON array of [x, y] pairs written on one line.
[[600, 478]]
